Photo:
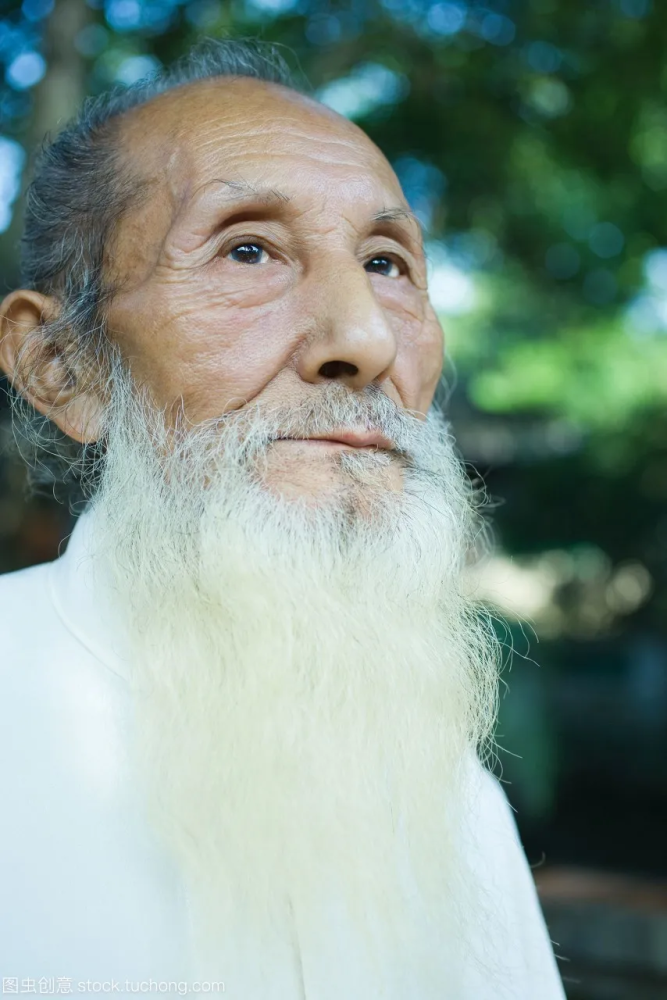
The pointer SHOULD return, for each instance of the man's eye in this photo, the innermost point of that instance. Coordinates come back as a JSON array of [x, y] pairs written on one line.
[[249, 253], [383, 265]]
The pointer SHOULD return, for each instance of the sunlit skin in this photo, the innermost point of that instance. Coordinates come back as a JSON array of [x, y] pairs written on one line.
[[272, 251]]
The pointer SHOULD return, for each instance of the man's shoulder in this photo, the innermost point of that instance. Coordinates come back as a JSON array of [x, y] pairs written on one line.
[[23, 595], [29, 577], [31, 629], [29, 642], [493, 801], [504, 871], [487, 794], [492, 822]]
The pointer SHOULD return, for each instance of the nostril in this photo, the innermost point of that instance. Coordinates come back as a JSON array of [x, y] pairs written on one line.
[[334, 369]]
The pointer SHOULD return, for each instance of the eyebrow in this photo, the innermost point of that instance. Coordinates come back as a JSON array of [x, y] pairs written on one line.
[[246, 188], [393, 214], [398, 214]]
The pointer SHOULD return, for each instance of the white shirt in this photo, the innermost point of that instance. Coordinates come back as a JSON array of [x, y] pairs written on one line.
[[88, 899]]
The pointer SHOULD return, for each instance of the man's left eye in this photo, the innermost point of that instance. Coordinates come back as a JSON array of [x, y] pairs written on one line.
[[249, 253], [383, 265]]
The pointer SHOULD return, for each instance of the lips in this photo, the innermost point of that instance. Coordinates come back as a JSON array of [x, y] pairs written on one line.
[[355, 439]]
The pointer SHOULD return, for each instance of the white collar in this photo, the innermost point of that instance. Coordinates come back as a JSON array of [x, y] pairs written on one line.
[[82, 596]]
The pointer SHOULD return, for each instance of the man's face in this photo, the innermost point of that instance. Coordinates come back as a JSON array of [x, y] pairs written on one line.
[[273, 251]]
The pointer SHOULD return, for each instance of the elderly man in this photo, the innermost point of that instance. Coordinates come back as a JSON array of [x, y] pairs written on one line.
[[243, 714]]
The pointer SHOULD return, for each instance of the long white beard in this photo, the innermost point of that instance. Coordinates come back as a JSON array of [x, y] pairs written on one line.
[[311, 683]]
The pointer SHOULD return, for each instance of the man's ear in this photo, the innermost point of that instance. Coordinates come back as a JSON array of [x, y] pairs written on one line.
[[40, 371]]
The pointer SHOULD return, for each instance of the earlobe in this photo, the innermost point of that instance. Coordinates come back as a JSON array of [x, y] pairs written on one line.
[[38, 369]]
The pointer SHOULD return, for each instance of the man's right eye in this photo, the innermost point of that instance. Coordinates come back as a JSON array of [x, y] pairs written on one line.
[[249, 253]]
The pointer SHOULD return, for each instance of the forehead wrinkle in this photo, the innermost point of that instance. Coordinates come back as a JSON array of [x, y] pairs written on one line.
[[222, 129], [230, 133], [319, 181], [183, 114]]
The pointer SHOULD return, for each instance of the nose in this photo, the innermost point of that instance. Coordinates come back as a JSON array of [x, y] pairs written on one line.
[[353, 340]]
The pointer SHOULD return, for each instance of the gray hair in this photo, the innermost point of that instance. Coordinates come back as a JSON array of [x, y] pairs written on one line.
[[79, 192]]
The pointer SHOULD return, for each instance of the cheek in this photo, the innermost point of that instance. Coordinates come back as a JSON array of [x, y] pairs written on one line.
[[431, 350], [420, 345], [214, 349]]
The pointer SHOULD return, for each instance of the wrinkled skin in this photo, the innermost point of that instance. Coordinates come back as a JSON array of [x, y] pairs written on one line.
[[331, 283]]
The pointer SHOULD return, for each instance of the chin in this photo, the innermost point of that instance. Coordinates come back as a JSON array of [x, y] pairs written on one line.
[[345, 476]]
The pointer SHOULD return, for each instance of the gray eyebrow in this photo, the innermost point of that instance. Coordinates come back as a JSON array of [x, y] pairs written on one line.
[[244, 187], [395, 215]]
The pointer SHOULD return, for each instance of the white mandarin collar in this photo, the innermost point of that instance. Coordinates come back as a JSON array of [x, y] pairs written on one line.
[[83, 598]]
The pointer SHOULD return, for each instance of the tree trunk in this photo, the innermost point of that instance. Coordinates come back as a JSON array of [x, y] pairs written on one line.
[[60, 93], [56, 99]]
